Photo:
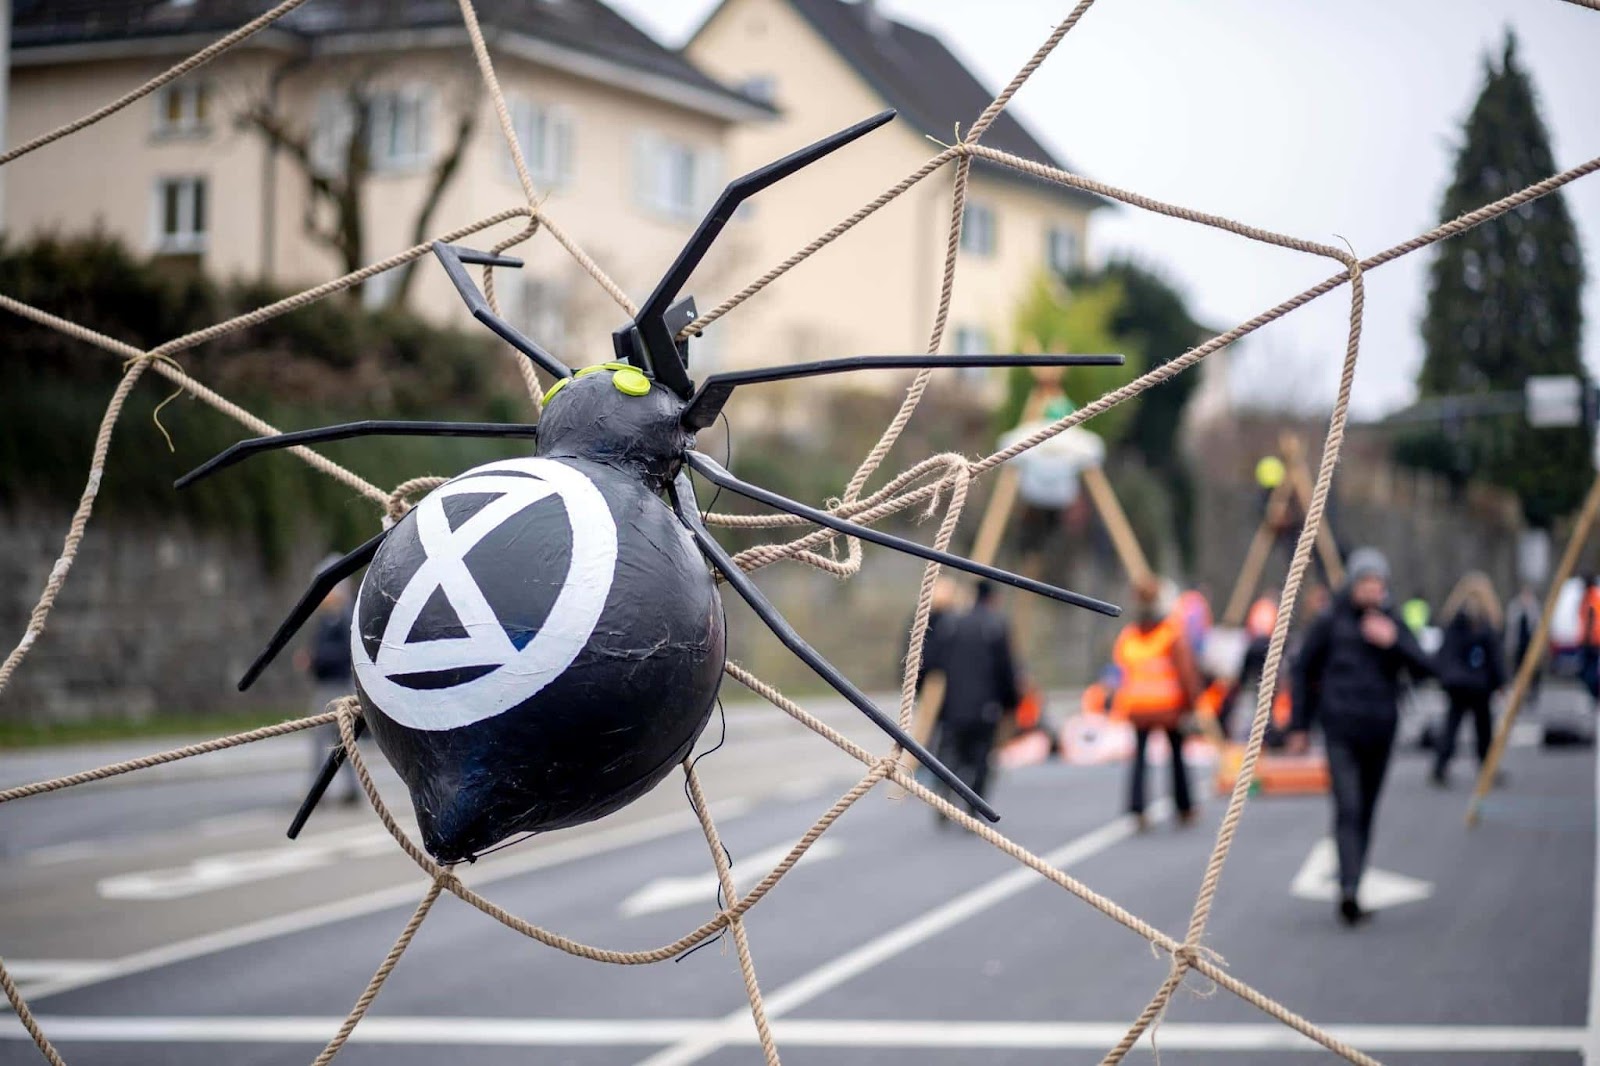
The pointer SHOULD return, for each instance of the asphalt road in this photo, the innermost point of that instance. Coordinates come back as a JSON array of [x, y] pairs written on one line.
[[165, 920]]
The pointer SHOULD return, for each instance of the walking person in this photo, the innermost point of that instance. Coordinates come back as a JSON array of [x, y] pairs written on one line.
[[1471, 669], [1589, 619], [1347, 680], [326, 660], [1156, 685], [981, 686]]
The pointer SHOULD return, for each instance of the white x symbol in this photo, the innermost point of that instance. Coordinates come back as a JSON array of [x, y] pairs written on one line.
[[518, 674]]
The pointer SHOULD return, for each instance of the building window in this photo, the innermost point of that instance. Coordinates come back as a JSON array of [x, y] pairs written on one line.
[[180, 216], [541, 314], [397, 129], [672, 178], [181, 109], [978, 228], [973, 340], [377, 292], [545, 134], [1061, 249], [762, 88]]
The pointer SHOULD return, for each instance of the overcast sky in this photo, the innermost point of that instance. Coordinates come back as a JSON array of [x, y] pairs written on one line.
[[1325, 120]]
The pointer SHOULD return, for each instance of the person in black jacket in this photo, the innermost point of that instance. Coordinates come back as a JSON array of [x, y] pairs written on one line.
[[1347, 680], [973, 651], [1471, 669]]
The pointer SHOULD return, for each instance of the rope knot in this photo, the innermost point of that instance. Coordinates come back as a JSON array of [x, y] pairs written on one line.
[[399, 501]]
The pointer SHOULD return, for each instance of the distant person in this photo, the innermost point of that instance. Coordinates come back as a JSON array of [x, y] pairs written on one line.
[[981, 687], [1471, 669], [1156, 685], [942, 610], [1258, 624], [1589, 614], [1347, 680], [1522, 621], [326, 659]]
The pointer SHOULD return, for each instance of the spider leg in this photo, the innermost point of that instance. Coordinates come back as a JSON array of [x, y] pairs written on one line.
[[246, 448], [648, 341], [325, 776], [713, 472], [321, 585], [452, 258], [683, 502], [714, 392]]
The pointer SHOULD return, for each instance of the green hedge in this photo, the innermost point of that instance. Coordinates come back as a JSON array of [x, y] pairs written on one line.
[[328, 362]]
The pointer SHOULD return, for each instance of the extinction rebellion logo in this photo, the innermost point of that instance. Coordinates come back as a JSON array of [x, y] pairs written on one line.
[[490, 670]]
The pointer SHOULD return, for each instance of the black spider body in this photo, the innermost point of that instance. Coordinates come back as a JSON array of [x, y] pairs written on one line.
[[595, 665], [540, 640]]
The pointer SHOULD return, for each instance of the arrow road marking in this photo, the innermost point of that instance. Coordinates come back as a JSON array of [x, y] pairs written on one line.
[[1318, 879], [669, 893], [211, 873]]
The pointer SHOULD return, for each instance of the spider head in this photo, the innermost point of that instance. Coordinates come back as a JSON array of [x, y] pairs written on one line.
[[612, 413]]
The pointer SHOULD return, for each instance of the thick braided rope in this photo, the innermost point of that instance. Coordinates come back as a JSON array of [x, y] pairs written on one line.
[[1105, 905], [1181, 961], [491, 81], [887, 507], [741, 937], [1185, 953], [25, 1016], [200, 58], [80, 521], [385, 968], [145, 762]]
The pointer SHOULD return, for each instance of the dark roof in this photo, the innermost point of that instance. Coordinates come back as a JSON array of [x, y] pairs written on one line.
[[922, 79], [587, 26]]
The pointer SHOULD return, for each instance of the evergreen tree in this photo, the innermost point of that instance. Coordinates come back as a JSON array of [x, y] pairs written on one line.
[[1503, 303]]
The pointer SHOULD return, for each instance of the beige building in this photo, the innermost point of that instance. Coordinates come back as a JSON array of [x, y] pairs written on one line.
[[825, 64], [625, 138]]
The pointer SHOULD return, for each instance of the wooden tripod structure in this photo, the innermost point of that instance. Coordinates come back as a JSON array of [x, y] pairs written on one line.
[[1295, 488], [997, 516], [1536, 649]]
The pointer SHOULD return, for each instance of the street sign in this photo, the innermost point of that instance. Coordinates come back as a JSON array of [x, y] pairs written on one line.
[[1554, 400]]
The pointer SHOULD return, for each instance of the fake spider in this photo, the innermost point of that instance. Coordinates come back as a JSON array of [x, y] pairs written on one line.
[[539, 640]]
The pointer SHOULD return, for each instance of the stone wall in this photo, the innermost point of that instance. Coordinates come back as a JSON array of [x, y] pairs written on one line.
[[154, 618]]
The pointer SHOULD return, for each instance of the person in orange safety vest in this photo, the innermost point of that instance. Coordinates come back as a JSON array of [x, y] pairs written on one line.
[[1157, 683]]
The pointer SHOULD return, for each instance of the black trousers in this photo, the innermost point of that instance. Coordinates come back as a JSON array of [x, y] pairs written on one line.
[[1357, 765], [964, 747], [1180, 773], [1461, 705]]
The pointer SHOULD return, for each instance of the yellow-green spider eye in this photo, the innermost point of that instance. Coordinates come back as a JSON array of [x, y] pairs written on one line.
[[630, 382]]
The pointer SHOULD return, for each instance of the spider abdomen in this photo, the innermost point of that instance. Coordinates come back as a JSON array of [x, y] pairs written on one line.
[[537, 643]]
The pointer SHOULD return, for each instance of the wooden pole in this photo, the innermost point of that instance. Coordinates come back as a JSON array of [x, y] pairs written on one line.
[[991, 531], [1535, 655], [1255, 559], [1115, 518], [1294, 458]]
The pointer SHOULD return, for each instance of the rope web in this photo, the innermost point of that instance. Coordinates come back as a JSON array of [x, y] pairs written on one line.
[[938, 485]]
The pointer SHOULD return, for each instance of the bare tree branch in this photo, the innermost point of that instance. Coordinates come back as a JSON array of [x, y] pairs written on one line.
[[444, 170]]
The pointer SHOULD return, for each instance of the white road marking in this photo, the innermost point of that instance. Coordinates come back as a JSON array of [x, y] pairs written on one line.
[[1591, 1040], [669, 893], [403, 895], [929, 924], [622, 1032], [1318, 879], [213, 873]]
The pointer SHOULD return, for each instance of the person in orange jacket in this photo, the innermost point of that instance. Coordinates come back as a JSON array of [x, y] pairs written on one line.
[[1157, 682]]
